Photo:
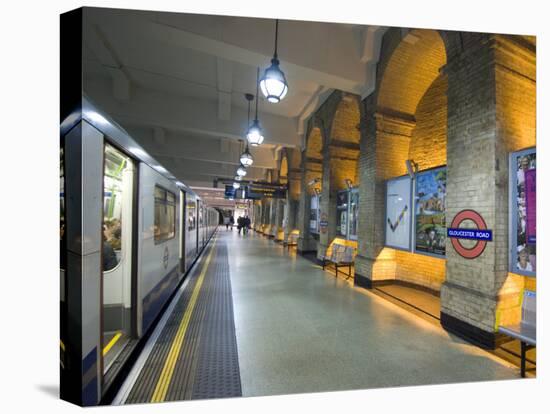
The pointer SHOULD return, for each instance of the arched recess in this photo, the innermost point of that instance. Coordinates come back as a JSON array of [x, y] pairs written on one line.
[[311, 169], [313, 161], [411, 123], [344, 142]]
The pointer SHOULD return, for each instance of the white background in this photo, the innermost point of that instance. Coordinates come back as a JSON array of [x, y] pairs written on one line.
[[398, 195], [29, 208]]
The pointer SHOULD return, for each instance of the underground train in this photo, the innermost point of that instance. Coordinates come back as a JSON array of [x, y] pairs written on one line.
[[130, 232]]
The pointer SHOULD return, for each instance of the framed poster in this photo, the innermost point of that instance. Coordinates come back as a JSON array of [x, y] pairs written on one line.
[[342, 213], [353, 213], [314, 215], [523, 213], [430, 227], [398, 212]]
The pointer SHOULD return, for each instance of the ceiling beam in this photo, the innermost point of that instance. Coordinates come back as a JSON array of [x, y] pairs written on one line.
[[185, 114], [99, 45], [224, 70]]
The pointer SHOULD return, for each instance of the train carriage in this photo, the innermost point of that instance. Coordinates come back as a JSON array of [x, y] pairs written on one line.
[[130, 231]]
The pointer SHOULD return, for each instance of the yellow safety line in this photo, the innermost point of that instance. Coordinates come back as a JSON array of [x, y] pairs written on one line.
[[62, 345], [111, 343], [165, 378]]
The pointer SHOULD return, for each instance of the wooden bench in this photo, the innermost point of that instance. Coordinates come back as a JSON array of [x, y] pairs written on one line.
[[340, 256], [292, 240], [526, 330]]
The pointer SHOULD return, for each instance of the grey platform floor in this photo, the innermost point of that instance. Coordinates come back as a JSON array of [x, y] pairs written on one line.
[[300, 330]]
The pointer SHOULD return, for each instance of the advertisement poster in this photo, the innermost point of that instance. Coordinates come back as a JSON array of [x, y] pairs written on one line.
[[524, 210], [353, 214], [342, 213], [314, 215], [430, 231], [398, 213]]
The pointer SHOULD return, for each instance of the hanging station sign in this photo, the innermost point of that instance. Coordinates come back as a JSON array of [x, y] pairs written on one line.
[[430, 227], [262, 190], [480, 234], [523, 204], [398, 212]]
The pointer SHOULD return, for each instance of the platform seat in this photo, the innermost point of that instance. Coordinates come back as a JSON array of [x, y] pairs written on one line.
[[339, 256], [526, 330], [292, 240]]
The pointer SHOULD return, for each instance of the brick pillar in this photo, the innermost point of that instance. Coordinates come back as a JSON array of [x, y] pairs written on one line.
[[384, 147], [477, 179], [328, 204], [292, 201]]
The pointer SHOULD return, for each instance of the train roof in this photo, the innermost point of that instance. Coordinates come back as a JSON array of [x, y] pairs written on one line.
[[116, 133]]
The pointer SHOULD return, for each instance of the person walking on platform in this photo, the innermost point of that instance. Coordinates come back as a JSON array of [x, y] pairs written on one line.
[[226, 222], [246, 224], [240, 223], [231, 221]]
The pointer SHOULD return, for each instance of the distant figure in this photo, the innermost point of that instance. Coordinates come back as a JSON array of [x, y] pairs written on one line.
[[109, 256], [231, 221], [246, 224], [226, 222], [240, 223]]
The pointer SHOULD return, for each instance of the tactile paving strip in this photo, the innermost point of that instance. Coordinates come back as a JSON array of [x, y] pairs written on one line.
[[208, 365]]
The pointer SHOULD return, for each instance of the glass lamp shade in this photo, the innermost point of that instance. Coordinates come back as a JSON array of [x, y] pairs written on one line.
[[241, 171], [246, 159], [236, 185], [238, 178], [254, 134], [273, 83]]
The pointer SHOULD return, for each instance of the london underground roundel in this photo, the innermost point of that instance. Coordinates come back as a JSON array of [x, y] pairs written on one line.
[[481, 234]]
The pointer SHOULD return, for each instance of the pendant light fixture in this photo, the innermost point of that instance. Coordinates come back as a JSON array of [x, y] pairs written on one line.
[[236, 185], [241, 171], [238, 178], [273, 83], [246, 157], [254, 134]]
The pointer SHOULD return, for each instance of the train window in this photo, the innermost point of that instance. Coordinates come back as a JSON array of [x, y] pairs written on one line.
[[165, 214], [191, 215], [116, 167]]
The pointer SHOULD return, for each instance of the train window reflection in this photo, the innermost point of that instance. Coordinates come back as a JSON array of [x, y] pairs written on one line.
[[165, 214], [116, 166], [191, 215]]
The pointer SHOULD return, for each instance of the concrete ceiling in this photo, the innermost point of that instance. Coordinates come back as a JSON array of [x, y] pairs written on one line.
[[177, 81]]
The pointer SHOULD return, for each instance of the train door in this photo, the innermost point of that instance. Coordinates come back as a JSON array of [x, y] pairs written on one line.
[[118, 218], [183, 231]]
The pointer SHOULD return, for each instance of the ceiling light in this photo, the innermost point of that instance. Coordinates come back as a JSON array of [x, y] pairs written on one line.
[[236, 185], [241, 171], [254, 134], [246, 158], [273, 83]]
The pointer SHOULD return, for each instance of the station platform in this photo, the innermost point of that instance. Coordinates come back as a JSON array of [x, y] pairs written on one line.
[[253, 319]]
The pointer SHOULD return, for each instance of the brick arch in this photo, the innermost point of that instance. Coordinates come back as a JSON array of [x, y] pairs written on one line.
[[345, 123], [283, 167], [314, 144], [409, 121], [409, 66]]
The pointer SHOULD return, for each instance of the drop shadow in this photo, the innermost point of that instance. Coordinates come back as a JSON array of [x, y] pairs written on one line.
[[51, 390]]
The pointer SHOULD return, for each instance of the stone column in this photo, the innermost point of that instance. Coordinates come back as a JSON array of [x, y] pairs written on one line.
[[292, 200], [477, 159], [384, 146]]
